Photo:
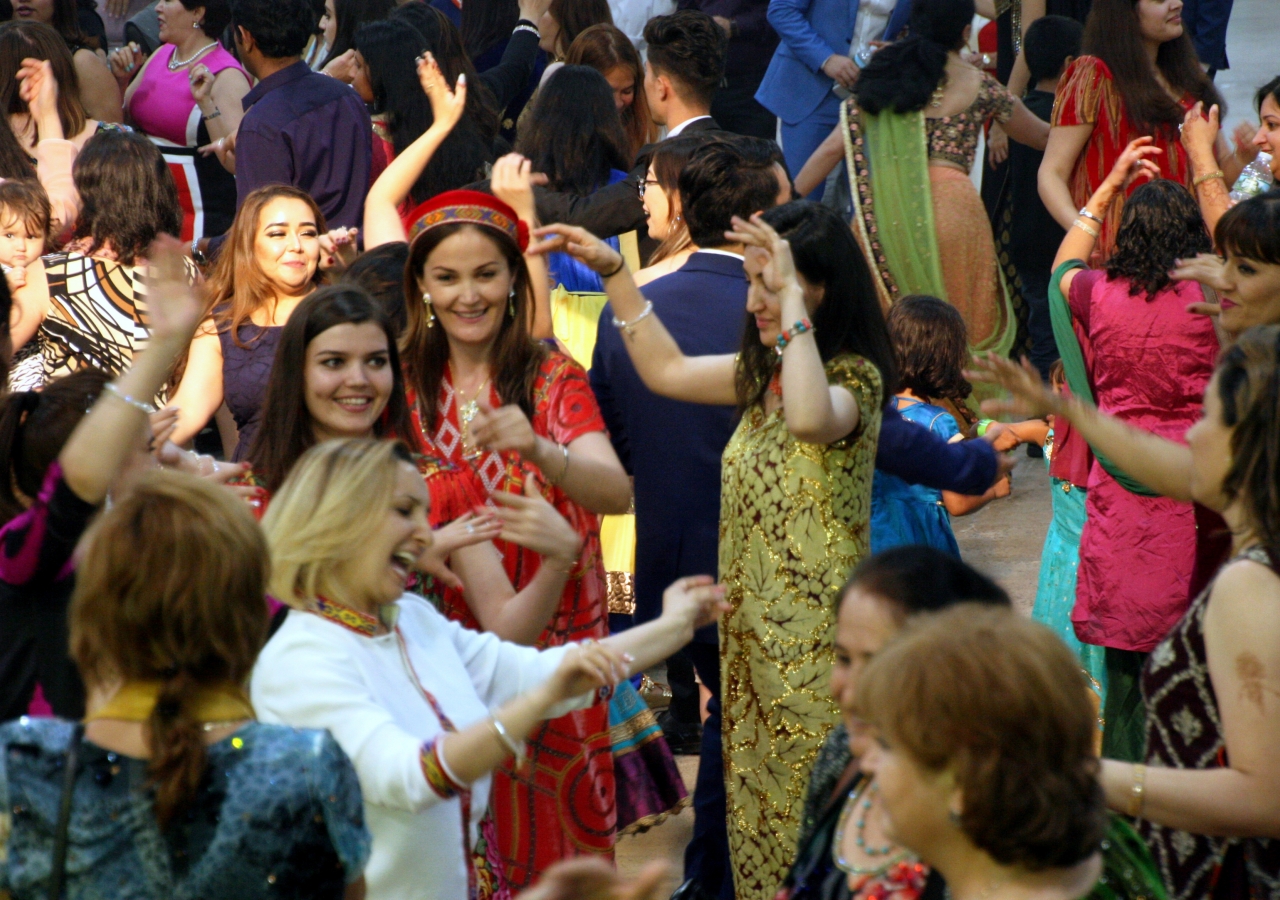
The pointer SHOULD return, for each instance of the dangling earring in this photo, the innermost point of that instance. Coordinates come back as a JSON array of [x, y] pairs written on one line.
[[511, 303], [195, 24], [431, 313]]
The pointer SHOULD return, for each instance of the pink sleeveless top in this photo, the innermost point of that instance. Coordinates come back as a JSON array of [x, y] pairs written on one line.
[[162, 106]]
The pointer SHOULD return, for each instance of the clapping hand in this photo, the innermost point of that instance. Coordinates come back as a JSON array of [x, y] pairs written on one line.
[[1200, 132], [579, 243], [447, 105], [1031, 397], [464, 531], [38, 88]]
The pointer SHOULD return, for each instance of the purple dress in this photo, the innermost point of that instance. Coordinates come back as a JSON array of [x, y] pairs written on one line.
[[246, 368]]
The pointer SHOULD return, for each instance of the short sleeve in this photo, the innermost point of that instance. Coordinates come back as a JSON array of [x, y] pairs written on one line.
[[455, 491], [339, 797], [862, 379], [1080, 92], [566, 407], [944, 426], [997, 100]]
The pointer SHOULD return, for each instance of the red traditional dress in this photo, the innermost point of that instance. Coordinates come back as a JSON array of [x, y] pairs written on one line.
[[562, 802], [1087, 95]]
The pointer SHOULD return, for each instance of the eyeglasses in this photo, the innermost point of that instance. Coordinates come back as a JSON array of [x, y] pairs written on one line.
[[644, 185]]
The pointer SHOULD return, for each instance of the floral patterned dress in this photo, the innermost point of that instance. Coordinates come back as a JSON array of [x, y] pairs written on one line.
[[562, 802], [794, 521]]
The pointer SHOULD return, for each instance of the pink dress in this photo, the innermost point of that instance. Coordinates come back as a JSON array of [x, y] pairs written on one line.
[[1151, 361], [162, 108]]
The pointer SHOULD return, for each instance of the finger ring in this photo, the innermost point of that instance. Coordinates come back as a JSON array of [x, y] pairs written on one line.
[[471, 529]]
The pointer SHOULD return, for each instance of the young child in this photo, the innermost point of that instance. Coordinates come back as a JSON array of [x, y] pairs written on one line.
[[931, 345], [1050, 45], [25, 220]]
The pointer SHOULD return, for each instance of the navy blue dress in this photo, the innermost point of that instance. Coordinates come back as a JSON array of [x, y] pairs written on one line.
[[279, 814], [245, 373]]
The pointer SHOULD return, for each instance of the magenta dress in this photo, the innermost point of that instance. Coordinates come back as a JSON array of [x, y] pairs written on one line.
[[1151, 362], [162, 108]]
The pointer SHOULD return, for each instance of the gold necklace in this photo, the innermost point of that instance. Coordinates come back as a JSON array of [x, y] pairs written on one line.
[[466, 413]]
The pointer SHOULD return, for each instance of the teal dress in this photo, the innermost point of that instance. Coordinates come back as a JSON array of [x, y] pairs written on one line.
[[903, 513], [1056, 592]]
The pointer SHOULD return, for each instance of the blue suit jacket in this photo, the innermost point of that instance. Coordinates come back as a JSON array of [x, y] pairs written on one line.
[[673, 449], [810, 31]]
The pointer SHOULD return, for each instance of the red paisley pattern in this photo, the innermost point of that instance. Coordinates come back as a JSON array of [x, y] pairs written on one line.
[[562, 803]]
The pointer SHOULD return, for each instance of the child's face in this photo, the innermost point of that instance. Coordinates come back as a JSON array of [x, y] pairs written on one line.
[[18, 246]]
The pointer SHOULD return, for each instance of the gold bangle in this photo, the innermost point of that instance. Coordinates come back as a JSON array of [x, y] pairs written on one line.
[[1212, 175], [1086, 228], [564, 449], [1138, 792]]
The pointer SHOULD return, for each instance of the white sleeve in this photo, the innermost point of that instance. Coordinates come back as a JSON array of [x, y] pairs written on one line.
[[502, 670], [311, 683]]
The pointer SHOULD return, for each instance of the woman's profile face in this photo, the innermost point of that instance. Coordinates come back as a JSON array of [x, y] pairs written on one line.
[[348, 380], [34, 10], [623, 82], [865, 624], [380, 571], [176, 21], [329, 23], [764, 303], [916, 803], [657, 206], [287, 245], [549, 34], [1251, 294], [1268, 137], [1209, 441], [470, 284], [1159, 20]]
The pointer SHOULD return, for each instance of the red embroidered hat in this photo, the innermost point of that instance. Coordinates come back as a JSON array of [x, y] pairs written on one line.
[[470, 207]]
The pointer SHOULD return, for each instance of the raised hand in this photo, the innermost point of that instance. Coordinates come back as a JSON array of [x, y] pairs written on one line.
[[1208, 269], [174, 307], [38, 88], [342, 67], [201, 81], [1200, 131], [698, 600], [447, 105], [530, 521], [579, 243], [1133, 163], [504, 428], [585, 667], [512, 182], [1031, 397], [338, 248], [125, 62], [464, 531], [780, 270]]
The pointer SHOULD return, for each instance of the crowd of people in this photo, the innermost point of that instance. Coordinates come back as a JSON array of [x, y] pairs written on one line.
[[422, 421]]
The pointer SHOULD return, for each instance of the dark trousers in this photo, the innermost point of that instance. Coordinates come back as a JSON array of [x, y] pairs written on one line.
[[735, 109], [1035, 293], [706, 859], [686, 702], [1124, 715]]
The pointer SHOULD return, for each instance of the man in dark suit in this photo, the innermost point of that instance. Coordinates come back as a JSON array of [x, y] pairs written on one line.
[[673, 449]]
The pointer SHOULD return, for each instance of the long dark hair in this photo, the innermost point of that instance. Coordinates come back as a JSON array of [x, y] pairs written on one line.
[[20, 40], [1251, 229], [575, 17], [34, 426], [485, 24], [352, 15], [1112, 34], [574, 134], [902, 76], [848, 320], [1160, 223], [128, 194], [931, 348], [463, 156], [276, 449], [14, 161], [516, 355]]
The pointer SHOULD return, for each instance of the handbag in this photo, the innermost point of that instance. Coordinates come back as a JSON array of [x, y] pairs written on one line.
[[58, 865]]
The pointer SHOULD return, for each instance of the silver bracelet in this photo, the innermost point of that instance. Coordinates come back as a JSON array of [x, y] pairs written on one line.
[[564, 448], [216, 112], [529, 28], [514, 748], [1084, 211], [627, 327], [140, 405]]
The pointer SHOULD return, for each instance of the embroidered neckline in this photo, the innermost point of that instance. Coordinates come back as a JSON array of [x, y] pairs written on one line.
[[346, 617]]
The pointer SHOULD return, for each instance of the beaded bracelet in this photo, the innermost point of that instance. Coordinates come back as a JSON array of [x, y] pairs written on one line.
[[801, 327], [139, 405]]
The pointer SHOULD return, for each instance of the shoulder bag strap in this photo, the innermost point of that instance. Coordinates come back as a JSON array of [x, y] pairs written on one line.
[[58, 867], [1073, 368]]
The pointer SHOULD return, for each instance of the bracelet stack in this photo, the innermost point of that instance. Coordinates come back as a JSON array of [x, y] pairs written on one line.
[[140, 405], [804, 326]]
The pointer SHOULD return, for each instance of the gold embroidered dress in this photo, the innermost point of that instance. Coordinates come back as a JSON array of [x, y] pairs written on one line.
[[794, 521]]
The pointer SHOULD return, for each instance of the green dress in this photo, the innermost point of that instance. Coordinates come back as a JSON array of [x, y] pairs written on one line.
[[794, 521]]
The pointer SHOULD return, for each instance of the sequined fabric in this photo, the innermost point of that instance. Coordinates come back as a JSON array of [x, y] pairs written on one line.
[[278, 815], [1184, 731], [794, 521], [955, 138]]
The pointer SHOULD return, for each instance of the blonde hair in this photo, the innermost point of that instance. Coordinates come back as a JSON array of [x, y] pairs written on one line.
[[172, 588], [337, 491]]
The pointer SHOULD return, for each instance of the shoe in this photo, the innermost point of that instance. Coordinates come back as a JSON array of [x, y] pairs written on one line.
[[655, 694], [684, 738], [691, 890]]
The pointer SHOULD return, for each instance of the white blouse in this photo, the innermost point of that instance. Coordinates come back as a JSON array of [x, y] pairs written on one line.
[[329, 670]]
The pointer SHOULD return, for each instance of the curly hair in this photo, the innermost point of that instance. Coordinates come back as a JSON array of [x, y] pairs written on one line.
[[1160, 223], [903, 76], [689, 47], [128, 194], [931, 347], [998, 700]]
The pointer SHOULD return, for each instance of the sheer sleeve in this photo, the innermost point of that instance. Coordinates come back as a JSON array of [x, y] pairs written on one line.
[[342, 806]]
